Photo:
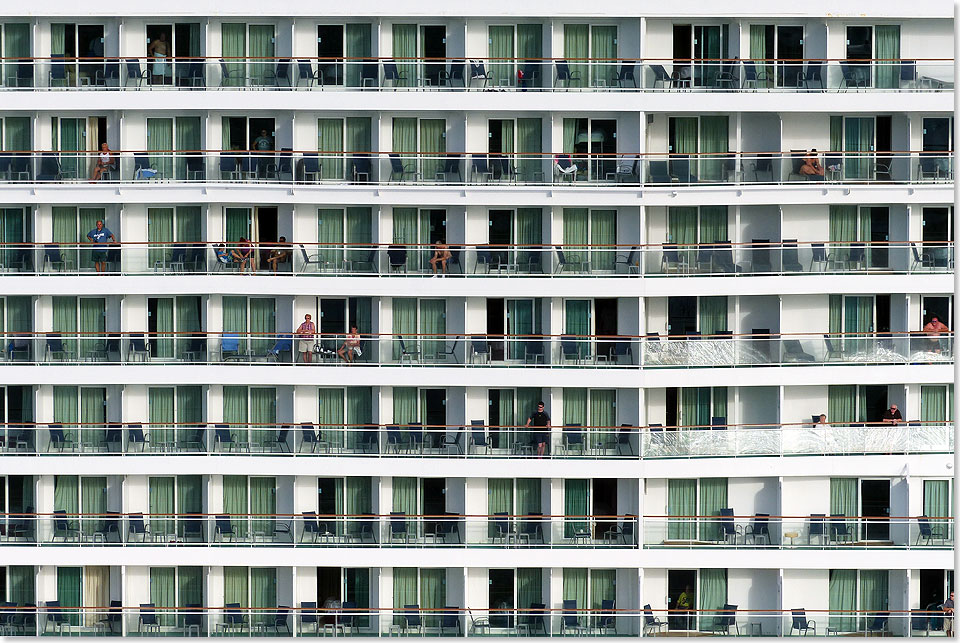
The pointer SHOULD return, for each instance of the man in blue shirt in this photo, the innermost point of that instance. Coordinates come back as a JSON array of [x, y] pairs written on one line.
[[99, 237]]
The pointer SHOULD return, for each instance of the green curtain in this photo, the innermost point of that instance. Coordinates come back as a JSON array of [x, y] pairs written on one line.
[[65, 232], [433, 594], [858, 314], [330, 234], [530, 49], [874, 594], [92, 325], [404, 590], [603, 587], [681, 501], [263, 414], [358, 232], [66, 497], [684, 135], [93, 416], [331, 413], [836, 313], [93, 501], [713, 498], [22, 581], [713, 224], [714, 139], [506, 418], [843, 497], [758, 51], [235, 504], [187, 133], [405, 53], [359, 500], [858, 136], [358, 47], [529, 147], [237, 224], [713, 315], [936, 498], [358, 134], [188, 223], [160, 144], [576, 223], [575, 503], [17, 135], [66, 410], [843, 230], [404, 405], [578, 322], [235, 318], [603, 47], [235, 585], [695, 406], [682, 230], [603, 232], [68, 591], [190, 590], [836, 134], [234, 36], [330, 144], [933, 404], [603, 414], [529, 587], [189, 498], [11, 231], [500, 39], [262, 324], [520, 317], [499, 500], [58, 39], [164, 342], [433, 145], [263, 503], [159, 232], [405, 142], [433, 324], [570, 127], [841, 403], [575, 406], [162, 502], [713, 595], [528, 496], [719, 401], [359, 413], [162, 592], [404, 323], [576, 49], [187, 322], [405, 228], [887, 51], [261, 46], [16, 44], [405, 498], [575, 587]]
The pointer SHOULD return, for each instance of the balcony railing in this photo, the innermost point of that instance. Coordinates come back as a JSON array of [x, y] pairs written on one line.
[[476, 73], [452, 350], [311, 530], [475, 260], [608, 618], [305, 439], [487, 169], [817, 531]]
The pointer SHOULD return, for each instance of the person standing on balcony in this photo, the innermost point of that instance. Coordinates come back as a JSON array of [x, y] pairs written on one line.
[[99, 237], [685, 607], [892, 415], [947, 608], [305, 338], [159, 49], [540, 420]]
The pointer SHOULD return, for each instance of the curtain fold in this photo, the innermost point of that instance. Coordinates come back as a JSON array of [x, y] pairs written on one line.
[[93, 416], [575, 503], [433, 146], [713, 224], [499, 500], [160, 144], [92, 325], [235, 319], [359, 413], [261, 47], [576, 49], [234, 39], [330, 234], [163, 594], [263, 327], [575, 586], [405, 53], [263, 505], [405, 228], [576, 224], [603, 232], [66, 410], [577, 319], [68, 592], [682, 503], [433, 326], [358, 232], [22, 581], [603, 416], [331, 415], [263, 415], [603, 51], [330, 144], [159, 233], [713, 498], [500, 50], [190, 589], [529, 148], [237, 224], [357, 47], [682, 230], [235, 586], [874, 594], [16, 44], [841, 404], [187, 140], [713, 315], [404, 590], [520, 319], [187, 323], [887, 51], [684, 135], [530, 51], [695, 406], [96, 592], [603, 587], [163, 343], [529, 587], [713, 595], [405, 325], [714, 140], [235, 504], [405, 500], [758, 50], [933, 404], [189, 498], [433, 594], [162, 505]]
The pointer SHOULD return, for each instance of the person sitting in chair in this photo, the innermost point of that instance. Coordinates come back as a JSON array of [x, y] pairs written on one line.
[[811, 164], [279, 255], [441, 254], [105, 163], [243, 254], [222, 256], [565, 166], [351, 346]]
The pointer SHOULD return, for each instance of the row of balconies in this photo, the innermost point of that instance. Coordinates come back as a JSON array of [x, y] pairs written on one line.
[[532, 601], [722, 258], [477, 441]]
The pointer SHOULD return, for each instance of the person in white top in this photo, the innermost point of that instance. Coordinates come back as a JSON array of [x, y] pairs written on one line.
[[105, 162]]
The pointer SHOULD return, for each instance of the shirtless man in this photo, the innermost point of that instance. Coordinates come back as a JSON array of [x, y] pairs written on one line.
[[159, 50], [441, 254]]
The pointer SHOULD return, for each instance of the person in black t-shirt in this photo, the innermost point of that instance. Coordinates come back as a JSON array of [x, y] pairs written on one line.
[[540, 420], [892, 415]]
